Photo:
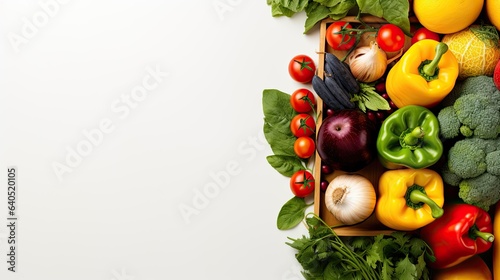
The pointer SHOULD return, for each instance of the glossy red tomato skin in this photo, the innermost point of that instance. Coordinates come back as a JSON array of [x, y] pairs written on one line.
[[303, 125], [302, 68], [302, 183], [304, 147], [338, 41], [299, 100], [424, 33], [390, 38]]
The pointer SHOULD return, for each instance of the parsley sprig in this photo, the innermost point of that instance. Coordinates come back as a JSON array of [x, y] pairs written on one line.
[[325, 255]]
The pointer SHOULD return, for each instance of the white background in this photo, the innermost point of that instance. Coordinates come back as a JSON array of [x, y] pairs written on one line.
[[114, 211]]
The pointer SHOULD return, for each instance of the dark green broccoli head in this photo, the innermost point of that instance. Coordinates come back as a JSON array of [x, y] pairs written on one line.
[[483, 84], [467, 158], [449, 124], [493, 162], [482, 191], [478, 115], [476, 105]]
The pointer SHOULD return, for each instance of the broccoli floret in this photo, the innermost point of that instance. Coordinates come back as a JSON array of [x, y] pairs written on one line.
[[493, 163], [476, 84], [449, 125], [476, 106], [482, 191], [474, 166], [467, 159], [450, 177], [477, 115]]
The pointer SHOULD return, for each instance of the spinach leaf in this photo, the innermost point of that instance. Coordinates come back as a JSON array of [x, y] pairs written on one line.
[[278, 113], [315, 13], [341, 9], [286, 7], [372, 7], [294, 5], [285, 165], [394, 11], [292, 213]]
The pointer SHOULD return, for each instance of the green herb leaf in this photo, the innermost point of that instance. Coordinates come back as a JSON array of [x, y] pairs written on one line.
[[294, 5], [278, 113], [396, 12], [376, 102], [368, 98], [315, 13], [341, 9], [421, 266], [285, 165], [393, 11], [387, 270], [291, 213], [405, 269], [372, 7], [286, 7]]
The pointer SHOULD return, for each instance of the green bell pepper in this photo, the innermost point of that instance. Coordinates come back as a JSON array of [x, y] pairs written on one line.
[[409, 137]]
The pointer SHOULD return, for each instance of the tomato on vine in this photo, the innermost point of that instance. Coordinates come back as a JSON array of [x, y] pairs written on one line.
[[302, 183], [303, 125], [302, 100], [304, 147], [337, 40], [390, 38], [302, 68]]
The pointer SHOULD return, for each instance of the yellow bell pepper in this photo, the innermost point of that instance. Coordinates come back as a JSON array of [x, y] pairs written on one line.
[[424, 75], [409, 198], [472, 269]]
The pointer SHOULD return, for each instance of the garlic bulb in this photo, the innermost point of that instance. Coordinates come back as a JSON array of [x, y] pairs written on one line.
[[350, 198], [368, 63]]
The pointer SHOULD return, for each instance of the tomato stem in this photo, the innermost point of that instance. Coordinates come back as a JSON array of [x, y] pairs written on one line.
[[309, 101], [304, 64]]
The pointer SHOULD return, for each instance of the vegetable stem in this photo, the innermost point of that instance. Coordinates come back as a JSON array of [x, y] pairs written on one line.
[[429, 69], [411, 138], [417, 197], [474, 233]]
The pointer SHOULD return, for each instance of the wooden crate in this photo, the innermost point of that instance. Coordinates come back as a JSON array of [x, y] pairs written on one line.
[[371, 226]]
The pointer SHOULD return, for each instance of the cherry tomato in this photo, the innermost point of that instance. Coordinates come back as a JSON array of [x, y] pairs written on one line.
[[302, 183], [304, 147], [424, 33], [302, 99], [390, 38], [303, 125], [302, 68], [340, 42]]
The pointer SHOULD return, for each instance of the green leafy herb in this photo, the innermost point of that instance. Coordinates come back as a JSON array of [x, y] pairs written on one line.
[[324, 255], [368, 98], [292, 213], [278, 113], [285, 165], [393, 11]]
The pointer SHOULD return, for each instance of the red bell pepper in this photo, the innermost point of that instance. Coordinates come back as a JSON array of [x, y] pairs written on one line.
[[463, 231]]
